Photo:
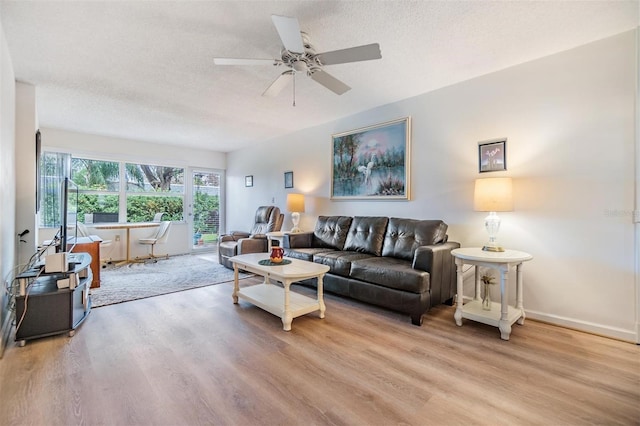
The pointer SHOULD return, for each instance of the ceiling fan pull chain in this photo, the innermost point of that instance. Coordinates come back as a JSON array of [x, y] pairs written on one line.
[[294, 89]]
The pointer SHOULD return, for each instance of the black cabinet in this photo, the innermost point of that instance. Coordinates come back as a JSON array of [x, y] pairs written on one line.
[[43, 309]]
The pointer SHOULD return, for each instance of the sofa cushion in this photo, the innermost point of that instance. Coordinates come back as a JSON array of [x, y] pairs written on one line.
[[391, 272], [331, 231], [305, 253], [339, 262], [403, 236], [366, 234]]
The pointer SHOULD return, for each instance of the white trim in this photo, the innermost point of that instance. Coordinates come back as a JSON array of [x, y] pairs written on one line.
[[588, 327], [573, 324], [5, 333], [637, 189], [189, 202]]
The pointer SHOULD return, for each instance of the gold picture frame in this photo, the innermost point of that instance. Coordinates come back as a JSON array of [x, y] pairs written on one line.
[[372, 163]]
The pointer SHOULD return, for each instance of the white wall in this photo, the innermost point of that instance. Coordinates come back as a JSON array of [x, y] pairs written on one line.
[[102, 147], [130, 150], [7, 182], [26, 126], [569, 119], [637, 204]]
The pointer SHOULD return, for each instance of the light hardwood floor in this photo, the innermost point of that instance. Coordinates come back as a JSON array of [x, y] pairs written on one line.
[[196, 358]]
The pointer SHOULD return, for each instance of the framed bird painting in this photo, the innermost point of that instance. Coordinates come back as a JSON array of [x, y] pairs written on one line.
[[372, 162], [492, 155]]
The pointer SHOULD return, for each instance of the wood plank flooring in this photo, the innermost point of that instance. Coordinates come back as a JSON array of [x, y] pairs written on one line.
[[194, 358]]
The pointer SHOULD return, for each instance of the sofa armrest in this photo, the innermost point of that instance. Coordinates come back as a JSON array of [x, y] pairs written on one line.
[[225, 237], [240, 234], [298, 240], [252, 245], [233, 236], [438, 261]]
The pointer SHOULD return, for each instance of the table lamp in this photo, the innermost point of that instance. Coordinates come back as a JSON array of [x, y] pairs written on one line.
[[493, 195], [295, 204]]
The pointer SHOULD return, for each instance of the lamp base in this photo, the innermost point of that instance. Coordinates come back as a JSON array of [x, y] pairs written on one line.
[[492, 225], [295, 220]]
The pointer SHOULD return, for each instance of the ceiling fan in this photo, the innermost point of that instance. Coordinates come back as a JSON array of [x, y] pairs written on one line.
[[299, 56]]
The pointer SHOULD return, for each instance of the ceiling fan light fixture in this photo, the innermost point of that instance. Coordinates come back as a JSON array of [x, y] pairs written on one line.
[[300, 66]]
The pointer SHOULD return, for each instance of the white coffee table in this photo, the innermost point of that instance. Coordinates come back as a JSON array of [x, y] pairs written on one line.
[[279, 301]]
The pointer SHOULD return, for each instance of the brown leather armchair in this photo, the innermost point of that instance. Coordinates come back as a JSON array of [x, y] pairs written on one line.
[[267, 219]]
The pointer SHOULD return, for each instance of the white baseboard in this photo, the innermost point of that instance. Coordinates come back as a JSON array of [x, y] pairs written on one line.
[[588, 327], [4, 334], [632, 336]]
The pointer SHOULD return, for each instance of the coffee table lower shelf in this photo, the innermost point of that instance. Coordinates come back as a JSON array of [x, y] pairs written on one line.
[[270, 297]]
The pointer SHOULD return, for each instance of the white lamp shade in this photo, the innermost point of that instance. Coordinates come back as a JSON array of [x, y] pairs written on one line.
[[493, 195], [295, 203]]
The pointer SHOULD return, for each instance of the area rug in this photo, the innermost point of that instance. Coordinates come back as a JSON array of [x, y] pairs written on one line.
[[142, 280]]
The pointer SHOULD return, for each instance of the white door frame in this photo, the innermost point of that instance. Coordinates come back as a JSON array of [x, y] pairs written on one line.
[[188, 208]]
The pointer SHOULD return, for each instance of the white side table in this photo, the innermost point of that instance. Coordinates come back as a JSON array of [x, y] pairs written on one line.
[[501, 315], [279, 236]]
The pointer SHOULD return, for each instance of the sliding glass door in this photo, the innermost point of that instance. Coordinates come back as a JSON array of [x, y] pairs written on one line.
[[205, 209]]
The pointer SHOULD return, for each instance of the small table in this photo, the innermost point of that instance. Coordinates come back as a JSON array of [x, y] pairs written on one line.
[[277, 300], [278, 236], [90, 245], [128, 227], [504, 317]]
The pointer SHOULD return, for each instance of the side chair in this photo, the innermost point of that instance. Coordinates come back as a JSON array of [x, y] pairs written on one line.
[[158, 217], [160, 236]]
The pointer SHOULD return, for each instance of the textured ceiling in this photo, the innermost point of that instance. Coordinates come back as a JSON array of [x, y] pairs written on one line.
[[144, 70]]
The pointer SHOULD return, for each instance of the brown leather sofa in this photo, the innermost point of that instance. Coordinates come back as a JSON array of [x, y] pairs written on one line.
[[267, 219], [400, 264]]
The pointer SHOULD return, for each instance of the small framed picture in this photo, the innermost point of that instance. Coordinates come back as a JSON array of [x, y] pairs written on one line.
[[288, 179], [248, 180], [492, 155]]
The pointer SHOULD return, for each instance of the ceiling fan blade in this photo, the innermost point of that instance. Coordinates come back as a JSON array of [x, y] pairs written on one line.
[[278, 84], [239, 61], [289, 32], [330, 82], [352, 54]]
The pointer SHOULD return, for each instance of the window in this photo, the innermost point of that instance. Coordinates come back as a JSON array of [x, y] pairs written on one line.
[[154, 189], [111, 191], [99, 186], [54, 167]]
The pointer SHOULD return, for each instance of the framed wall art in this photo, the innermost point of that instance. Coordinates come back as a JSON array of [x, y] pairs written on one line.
[[288, 179], [372, 163], [248, 180], [492, 155]]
